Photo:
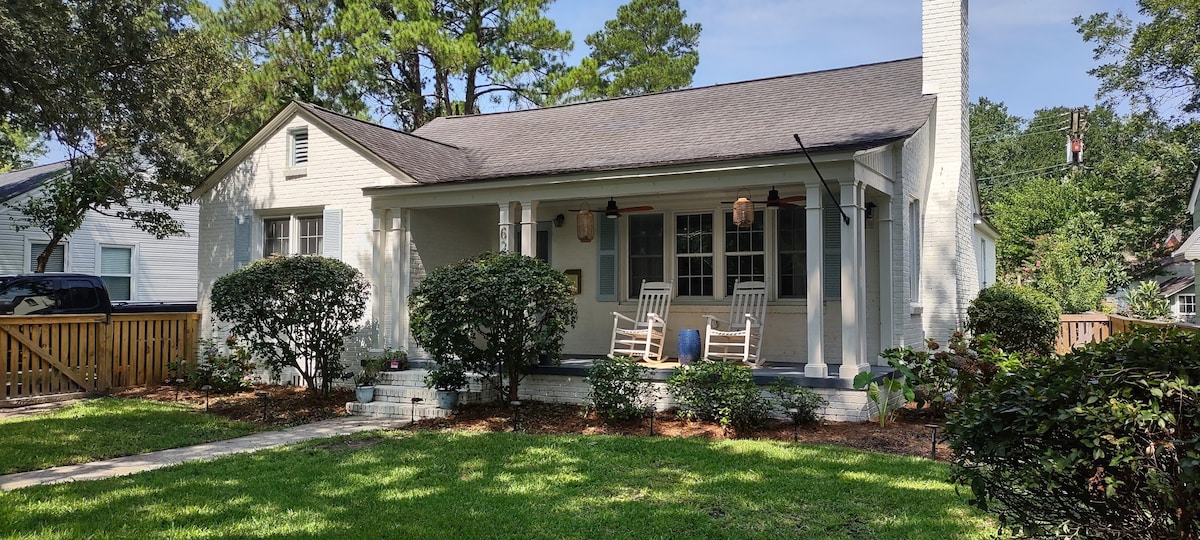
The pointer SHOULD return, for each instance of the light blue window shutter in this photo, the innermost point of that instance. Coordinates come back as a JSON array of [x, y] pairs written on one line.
[[831, 232], [606, 257], [241, 240], [332, 241]]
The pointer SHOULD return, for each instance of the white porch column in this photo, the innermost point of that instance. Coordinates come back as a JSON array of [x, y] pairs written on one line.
[[853, 304], [860, 235], [506, 227], [529, 228], [381, 263], [399, 274], [887, 315], [815, 292]]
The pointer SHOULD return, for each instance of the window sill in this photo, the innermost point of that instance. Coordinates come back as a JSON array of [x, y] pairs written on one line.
[[295, 172], [915, 309]]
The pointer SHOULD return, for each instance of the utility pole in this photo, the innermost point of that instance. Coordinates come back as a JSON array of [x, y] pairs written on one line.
[[1075, 139]]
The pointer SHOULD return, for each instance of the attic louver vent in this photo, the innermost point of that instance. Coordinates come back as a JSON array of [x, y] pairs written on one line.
[[299, 147]]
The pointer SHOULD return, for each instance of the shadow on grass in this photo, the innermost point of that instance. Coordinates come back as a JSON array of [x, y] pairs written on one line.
[[106, 428], [502, 485]]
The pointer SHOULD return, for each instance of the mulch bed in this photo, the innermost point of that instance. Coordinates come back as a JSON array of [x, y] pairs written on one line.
[[290, 405]]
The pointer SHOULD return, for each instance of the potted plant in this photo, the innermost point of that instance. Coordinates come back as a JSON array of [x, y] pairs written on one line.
[[365, 380], [447, 378]]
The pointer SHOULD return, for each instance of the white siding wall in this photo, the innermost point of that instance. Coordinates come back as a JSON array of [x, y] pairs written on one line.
[[164, 270], [333, 179]]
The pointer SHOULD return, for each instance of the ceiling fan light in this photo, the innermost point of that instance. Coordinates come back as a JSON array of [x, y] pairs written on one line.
[[773, 198], [611, 211]]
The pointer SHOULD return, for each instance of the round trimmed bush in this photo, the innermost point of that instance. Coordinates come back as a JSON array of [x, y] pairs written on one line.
[[1022, 319]]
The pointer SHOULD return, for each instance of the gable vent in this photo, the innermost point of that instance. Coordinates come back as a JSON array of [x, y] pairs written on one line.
[[299, 146]]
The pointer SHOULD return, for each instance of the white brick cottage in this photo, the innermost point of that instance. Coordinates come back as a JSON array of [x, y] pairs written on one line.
[[890, 138]]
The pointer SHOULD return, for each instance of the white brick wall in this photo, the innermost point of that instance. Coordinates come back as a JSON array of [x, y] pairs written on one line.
[[334, 178], [949, 279]]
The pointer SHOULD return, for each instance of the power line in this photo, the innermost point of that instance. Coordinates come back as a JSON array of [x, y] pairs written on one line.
[[1059, 166], [1017, 135]]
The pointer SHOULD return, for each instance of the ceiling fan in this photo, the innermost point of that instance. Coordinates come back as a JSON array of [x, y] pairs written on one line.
[[612, 212], [774, 200]]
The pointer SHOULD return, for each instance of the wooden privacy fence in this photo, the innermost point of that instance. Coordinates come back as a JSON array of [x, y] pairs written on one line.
[[1077, 330], [67, 354]]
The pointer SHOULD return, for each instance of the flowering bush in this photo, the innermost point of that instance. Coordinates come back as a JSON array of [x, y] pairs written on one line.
[[225, 372]]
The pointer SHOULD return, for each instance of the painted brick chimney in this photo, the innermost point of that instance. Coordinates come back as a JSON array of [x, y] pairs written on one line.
[[948, 258]]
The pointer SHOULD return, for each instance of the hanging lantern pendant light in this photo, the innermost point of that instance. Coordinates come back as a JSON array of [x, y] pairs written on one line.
[[743, 210], [585, 224]]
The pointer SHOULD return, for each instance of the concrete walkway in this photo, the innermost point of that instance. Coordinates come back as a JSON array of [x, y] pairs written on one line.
[[165, 458]]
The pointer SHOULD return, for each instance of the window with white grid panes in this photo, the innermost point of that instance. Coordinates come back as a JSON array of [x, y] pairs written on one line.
[[116, 269], [310, 231], [792, 230], [277, 234], [745, 255], [1187, 307], [694, 254]]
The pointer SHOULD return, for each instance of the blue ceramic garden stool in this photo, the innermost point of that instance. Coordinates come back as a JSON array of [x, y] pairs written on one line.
[[688, 346]]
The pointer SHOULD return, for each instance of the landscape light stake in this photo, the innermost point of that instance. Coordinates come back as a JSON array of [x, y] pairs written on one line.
[[933, 441], [178, 385], [650, 411], [516, 418], [412, 416], [795, 414], [263, 396], [207, 389]]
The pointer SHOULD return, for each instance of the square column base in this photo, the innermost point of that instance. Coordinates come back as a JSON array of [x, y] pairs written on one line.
[[849, 371], [816, 371]]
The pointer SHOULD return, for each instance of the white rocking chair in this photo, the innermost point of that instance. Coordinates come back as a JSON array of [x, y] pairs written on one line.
[[741, 336], [642, 336]]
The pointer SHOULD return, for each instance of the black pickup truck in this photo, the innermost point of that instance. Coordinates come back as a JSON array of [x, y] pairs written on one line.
[[70, 294]]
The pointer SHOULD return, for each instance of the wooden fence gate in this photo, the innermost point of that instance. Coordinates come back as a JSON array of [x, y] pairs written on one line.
[[71, 354]]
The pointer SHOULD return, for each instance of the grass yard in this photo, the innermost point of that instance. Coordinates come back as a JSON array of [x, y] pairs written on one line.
[[505, 485], [105, 428]]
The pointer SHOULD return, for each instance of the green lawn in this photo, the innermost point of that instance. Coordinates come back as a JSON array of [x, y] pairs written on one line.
[[105, 428], [503, 485]]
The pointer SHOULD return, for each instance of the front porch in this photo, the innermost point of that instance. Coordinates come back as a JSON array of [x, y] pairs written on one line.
[[837, 244]]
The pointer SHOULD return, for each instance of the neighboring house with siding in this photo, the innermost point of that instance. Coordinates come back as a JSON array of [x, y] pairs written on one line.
[[1183, 301], [891, 138], [134, 264]]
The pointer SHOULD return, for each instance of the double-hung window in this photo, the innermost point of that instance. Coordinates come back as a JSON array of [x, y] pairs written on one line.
[[1187, 307], [116, 269], [745, 252], [58, 257], [694, 254], [293, 235]]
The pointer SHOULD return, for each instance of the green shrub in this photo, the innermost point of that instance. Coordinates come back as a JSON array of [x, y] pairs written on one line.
[[1146, 302], [1020, 318], [369, 376], [447, 376], [497, 313], [800, 404], [225, 372], [944, 376], [294, 312], [721, 392], [618, 388], [1101, 443]]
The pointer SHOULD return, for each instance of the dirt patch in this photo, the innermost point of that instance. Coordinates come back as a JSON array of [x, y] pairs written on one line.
[[349, 445], [285, 405], [290, 405]]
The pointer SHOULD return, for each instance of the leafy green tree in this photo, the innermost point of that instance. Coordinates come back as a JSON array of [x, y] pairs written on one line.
[[1026, 211], [1007, 149], [496, 313], [1062, 274], [1151, 63], [127, 88], [18, 149], [294, 312], [647, 48], [1100, 443]]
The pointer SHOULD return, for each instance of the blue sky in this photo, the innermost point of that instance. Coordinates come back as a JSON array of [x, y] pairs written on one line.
[[1025, 53]]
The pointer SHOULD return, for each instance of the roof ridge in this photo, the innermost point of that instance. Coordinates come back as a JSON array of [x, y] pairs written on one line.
[[682, 90], [373, 124]]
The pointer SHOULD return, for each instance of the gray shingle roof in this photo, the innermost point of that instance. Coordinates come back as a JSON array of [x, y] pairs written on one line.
[[14, 183], [840, 109], [424, 160]]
